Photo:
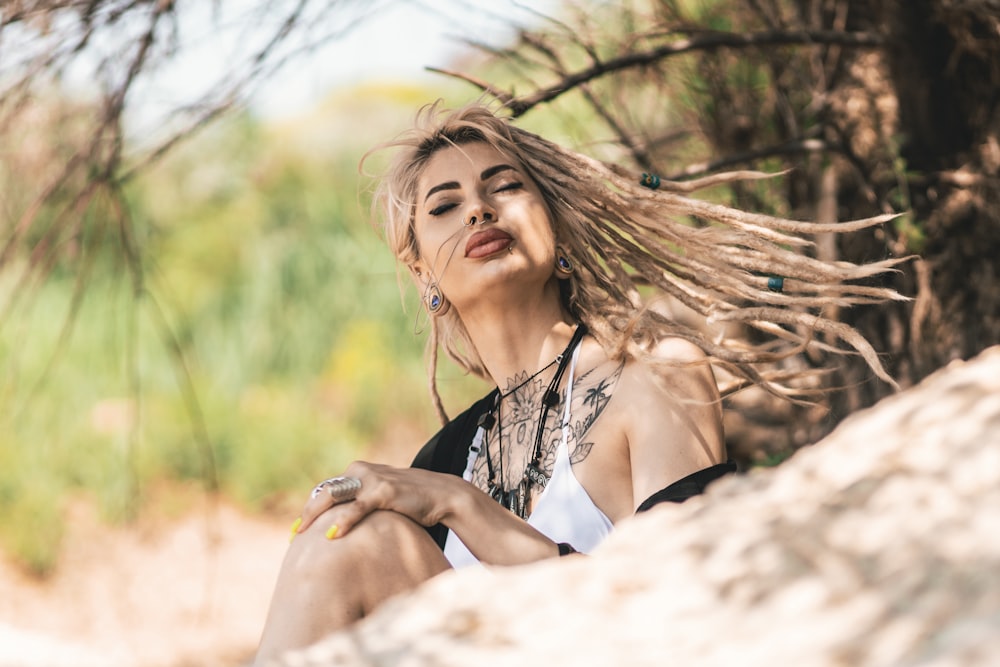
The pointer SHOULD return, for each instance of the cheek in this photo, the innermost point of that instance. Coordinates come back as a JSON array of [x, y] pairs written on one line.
[[434, 240], [423, 235], [540, 233]]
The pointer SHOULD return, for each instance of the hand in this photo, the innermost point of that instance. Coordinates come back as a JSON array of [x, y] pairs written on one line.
[[493, 534], [418, 494]]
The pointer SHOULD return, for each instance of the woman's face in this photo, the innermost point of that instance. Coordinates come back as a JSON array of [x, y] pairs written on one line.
[[511, 245]]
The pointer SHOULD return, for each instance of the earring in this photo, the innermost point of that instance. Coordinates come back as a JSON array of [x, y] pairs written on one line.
[[563, 263], [434, 300]]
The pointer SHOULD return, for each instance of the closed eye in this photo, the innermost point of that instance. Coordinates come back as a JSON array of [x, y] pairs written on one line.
[[513, 185], [442, 208]]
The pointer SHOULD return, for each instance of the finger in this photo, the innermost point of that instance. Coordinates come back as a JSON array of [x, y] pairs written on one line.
[[375, 494], [347, 515], [315, 507], [323, 501]]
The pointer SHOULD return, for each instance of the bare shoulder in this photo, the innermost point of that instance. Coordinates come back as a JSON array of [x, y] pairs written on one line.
[[678, 369], [678, 349], [675, 416]]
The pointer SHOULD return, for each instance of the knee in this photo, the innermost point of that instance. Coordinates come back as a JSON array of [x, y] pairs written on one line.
[[380, 536], [317, 551], [384, 528]]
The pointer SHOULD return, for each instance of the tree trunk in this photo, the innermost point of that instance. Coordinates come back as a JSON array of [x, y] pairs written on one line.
[[943, 65]]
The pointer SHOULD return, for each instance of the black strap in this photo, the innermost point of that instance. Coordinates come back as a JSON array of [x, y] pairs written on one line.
[[686, 487], [565, 549], [448, 450]]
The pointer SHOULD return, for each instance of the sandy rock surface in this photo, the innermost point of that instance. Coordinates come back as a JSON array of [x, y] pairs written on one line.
[[878, 546]]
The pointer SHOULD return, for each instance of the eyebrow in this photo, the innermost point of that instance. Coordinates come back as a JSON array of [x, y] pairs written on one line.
[[454, 185]]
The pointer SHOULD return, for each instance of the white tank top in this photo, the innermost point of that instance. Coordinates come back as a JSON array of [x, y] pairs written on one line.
[[564, 512]]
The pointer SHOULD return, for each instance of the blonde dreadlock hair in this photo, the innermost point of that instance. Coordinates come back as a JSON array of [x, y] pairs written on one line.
[[622, 235]]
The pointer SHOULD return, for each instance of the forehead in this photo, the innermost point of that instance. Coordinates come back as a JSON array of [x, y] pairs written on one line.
[[459, 163]]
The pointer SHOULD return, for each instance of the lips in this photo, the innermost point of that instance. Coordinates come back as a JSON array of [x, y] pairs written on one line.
[[487, 242]]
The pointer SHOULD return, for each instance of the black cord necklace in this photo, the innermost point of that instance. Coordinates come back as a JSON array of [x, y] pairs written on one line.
[[531, 377], [518, 498]]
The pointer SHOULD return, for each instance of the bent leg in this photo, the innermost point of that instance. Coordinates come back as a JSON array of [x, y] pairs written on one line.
[[326, 584]]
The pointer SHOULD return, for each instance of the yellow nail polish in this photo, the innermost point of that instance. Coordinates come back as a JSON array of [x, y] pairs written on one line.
[[295, 528], [332, 532]]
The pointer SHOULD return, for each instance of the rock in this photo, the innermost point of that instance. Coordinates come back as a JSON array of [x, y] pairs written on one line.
[[879, 545]]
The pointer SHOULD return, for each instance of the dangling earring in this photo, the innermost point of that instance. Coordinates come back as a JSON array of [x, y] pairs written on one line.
[[564, 264], [434, 300]]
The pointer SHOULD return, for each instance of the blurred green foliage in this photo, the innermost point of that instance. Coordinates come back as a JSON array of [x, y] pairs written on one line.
[[265, 346]]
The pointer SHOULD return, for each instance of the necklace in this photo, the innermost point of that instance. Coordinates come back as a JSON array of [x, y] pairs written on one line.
[[518, 498], [531, 377]]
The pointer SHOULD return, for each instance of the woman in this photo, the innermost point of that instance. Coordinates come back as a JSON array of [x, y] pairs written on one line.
[[528, 257]]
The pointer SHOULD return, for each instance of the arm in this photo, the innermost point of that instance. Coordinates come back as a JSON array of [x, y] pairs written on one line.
[[675, 422], [433, 494], [492, 533]]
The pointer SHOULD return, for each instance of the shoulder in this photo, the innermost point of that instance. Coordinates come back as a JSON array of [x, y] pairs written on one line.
[[675, 413], [675, 368]]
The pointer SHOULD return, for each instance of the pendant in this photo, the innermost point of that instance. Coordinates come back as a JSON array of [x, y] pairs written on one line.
[[534, 475], [517, 499], [522, 500]]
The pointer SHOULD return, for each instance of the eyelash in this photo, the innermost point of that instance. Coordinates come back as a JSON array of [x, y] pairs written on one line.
[[444, 208]]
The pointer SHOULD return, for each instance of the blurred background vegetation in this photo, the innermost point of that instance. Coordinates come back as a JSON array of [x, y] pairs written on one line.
[[268, 343]]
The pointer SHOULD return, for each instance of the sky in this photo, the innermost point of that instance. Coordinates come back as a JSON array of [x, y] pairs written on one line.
[[395, 41], [395, 44]]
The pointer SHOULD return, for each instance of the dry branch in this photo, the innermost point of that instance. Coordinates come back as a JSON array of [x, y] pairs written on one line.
[[700, 42]]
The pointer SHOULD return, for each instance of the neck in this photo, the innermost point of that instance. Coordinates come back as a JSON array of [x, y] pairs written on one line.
[[517, 338]]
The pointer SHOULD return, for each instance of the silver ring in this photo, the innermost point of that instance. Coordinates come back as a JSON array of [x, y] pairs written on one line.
[[341, 489], [471, 221]]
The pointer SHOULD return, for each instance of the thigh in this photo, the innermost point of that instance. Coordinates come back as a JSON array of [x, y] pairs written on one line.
[[326, 584], [384, 554]]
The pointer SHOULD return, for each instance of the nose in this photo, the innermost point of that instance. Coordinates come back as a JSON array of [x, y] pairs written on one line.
[[482, 214]]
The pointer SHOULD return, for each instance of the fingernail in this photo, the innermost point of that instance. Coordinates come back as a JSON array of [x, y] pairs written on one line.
[[332, 532], [295, 528]]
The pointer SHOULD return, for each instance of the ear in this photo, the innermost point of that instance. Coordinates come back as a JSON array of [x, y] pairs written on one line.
[[418, 272]]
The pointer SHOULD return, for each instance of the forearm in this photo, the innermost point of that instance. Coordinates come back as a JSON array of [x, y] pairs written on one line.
[[491, 532]]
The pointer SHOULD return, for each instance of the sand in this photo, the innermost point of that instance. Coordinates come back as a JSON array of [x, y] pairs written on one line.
[[159, 593]]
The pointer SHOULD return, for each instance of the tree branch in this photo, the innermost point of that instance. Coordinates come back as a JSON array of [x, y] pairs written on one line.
[[489, 89], [700, 42], [787, 148]]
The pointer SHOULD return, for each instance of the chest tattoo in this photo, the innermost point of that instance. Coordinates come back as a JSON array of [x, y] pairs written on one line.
[[511, 440]]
